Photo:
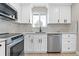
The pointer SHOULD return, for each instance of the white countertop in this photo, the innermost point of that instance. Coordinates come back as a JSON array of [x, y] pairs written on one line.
[[61, 32], [49, 33], [1, 40]]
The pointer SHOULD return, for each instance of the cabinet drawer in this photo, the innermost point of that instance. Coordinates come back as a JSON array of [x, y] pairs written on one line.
[[69, 42], [69, 48], [69, 45], [69, 36], [29, 36]]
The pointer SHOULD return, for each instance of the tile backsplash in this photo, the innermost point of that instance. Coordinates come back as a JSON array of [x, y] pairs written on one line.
[[8, 26]]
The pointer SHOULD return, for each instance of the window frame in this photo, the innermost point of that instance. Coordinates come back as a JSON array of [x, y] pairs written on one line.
[[38, 13]]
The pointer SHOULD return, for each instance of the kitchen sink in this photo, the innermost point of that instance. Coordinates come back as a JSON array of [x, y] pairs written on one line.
[[40, 32]]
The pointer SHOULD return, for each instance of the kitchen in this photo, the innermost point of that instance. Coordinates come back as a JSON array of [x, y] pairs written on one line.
[[39, 29]]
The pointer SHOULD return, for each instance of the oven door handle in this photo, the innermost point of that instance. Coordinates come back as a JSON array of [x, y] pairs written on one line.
[[14, 43]]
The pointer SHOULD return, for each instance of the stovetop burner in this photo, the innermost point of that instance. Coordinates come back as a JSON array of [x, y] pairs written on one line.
[[6, 35]]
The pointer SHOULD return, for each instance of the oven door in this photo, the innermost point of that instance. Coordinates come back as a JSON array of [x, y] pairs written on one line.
[[15, 49]]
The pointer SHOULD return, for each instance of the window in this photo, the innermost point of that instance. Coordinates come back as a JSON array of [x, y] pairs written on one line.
[[35, 20], [39, 20], [43, 20]]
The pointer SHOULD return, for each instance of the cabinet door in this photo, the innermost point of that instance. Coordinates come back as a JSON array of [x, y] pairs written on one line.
[[37, 43], [31, 45], [43, 43], [28, 44], [53, 14], [17, 7], [19, 13], [13, 5], [25, 13], [2, 48], [65, 14], [68, 43]]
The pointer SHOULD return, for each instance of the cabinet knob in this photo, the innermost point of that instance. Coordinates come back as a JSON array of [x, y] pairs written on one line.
[[0, 45], [68, 48], [68, 41], [40, 40]]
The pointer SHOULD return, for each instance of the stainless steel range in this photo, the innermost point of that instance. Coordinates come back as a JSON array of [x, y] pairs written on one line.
[[14, 43]]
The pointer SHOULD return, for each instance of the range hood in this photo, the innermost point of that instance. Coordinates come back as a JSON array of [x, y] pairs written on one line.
[[7, 13]]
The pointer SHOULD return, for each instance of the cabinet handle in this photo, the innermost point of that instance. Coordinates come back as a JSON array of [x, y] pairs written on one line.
[[0, 45], [68, 41], [65, 20], [68, 48], [29, 20], [58, 20], [31, 40], [29, 36], [68, 35], [41, 40]]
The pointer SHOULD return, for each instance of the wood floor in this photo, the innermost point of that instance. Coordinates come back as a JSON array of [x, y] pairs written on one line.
[[52, 54]]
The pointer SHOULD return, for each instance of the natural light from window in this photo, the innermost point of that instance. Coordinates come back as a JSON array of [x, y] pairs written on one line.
[[39, 20]]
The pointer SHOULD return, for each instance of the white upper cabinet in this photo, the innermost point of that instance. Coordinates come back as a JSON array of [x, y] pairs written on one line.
[[26, 13], [23, 11], [59, 14], [17, 7], [65, 14], [53, 14]]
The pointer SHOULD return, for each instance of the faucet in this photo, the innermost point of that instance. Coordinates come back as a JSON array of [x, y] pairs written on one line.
[[40, 29]]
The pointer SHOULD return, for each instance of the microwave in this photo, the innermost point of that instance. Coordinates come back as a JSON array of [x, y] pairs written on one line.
[[7, 12]]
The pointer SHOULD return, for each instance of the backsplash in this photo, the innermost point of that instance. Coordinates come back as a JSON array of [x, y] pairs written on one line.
[[50, 28], [7, 26], [21, 28]]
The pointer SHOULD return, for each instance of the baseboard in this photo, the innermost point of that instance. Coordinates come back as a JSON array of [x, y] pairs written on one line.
[[37, 52], [68, 52]]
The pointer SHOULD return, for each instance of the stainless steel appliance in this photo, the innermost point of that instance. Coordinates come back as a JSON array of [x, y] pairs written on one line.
[[14, 43], [7, 12], [15, 46], [53, 43]]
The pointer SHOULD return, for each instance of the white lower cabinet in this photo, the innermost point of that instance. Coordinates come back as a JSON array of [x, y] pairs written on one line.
[[35, 43], [2, 48], [28, 43], [43, 43], [68, 42]]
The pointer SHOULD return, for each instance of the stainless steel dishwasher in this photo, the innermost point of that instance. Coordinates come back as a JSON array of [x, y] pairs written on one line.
[[54, 43]]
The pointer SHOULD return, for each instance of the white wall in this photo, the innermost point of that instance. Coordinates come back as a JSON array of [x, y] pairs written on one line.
[[75, 18]]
